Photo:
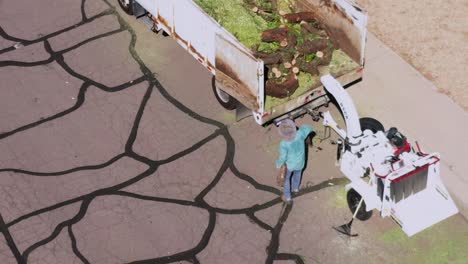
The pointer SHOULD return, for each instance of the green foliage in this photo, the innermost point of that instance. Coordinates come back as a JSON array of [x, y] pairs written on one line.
[[341, 63], [310, 57], [233, 16], [445, 242], [268, 47]]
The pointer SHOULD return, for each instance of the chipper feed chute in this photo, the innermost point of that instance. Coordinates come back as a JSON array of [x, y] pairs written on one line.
[[419, 198]]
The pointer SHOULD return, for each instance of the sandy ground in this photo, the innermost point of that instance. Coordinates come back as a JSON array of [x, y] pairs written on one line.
[[431, 35]]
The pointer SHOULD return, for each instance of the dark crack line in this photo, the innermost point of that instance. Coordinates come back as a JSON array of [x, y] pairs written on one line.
[[75, 246], [259, 222], [272, 249], [155, 199], [79, 102], [45, 210], [275, 201], [59, 173], [5, 50], [102, 191], [61, 61], [136, 123], [147, 72], [25, 42], [194, 260], [10, 242], [188, 254], [288, 256], [81, 213], [191, 149], [8, 63], [86, 41], [83, 12], [252, 181]]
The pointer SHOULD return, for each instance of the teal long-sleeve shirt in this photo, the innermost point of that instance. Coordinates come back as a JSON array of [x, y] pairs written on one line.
[[293, 152]]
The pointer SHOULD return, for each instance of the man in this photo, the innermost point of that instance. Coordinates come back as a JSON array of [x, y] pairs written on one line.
[[292, 154]]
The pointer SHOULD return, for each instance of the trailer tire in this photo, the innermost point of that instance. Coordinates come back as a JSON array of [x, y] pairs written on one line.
[[126, 8], [224, 99], [372, 124], [353, 199]]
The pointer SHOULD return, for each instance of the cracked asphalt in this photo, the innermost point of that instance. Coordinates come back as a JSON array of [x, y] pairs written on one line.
[[114, 150]]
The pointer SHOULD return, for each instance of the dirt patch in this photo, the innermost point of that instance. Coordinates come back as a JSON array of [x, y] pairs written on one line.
[[430, 35]]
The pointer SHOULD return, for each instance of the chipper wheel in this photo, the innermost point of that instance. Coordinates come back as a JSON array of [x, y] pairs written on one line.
[[127, 6], [353, 198], [227, 101]]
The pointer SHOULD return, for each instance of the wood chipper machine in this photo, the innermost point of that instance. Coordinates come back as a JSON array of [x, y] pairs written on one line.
[[385, 171]]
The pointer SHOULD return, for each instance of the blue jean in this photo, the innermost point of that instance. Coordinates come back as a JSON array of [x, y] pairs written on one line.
[[296, 180]]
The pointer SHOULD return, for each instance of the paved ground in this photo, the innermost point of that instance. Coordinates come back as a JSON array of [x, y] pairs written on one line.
[[114, 150]]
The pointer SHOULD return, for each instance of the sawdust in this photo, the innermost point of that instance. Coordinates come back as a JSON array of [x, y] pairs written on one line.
[[445, 242], [339, 200]]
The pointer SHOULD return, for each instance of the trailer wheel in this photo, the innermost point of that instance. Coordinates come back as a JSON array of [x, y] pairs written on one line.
[[127, 6], [227, 101], [371, 124], [354, 198]]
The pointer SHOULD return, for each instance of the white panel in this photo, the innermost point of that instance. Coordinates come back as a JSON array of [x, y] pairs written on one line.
[[242, 66], [149, 5], [166, 11], [194, 26]]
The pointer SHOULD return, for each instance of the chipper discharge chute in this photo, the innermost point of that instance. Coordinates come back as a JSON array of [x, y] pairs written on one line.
[[385, 171]]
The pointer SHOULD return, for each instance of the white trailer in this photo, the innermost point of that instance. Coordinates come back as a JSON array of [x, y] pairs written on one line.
[[238, 74]]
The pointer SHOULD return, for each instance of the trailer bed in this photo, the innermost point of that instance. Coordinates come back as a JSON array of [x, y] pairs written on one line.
[[238, 71]]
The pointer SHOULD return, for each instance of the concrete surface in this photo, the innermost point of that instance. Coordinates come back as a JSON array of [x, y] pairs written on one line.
[[114, 150]]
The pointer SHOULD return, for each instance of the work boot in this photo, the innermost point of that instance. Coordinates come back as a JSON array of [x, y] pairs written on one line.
[[286, 200]]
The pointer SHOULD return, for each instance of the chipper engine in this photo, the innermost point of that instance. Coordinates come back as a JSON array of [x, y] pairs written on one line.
[[388, 173]]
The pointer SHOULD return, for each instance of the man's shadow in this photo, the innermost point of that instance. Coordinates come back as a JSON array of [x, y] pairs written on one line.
[[309, 143]]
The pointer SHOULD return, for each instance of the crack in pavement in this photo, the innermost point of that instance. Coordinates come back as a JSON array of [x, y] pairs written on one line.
[[154, 88]]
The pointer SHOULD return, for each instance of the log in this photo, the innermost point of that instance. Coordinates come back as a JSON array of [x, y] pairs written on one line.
[[308, 28], [269, 58], [310, 67], [326, 59], [277, 72], [284, 89], [292, 41], [312, 46], [301, 16], [276, 34]]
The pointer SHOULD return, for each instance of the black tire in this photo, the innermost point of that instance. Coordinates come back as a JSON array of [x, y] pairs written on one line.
[[353, 199], [371, 124], [224, 99], [126, 8]]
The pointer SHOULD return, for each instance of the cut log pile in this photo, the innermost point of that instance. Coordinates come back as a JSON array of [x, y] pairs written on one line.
[[300, 50], [290, 43]]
